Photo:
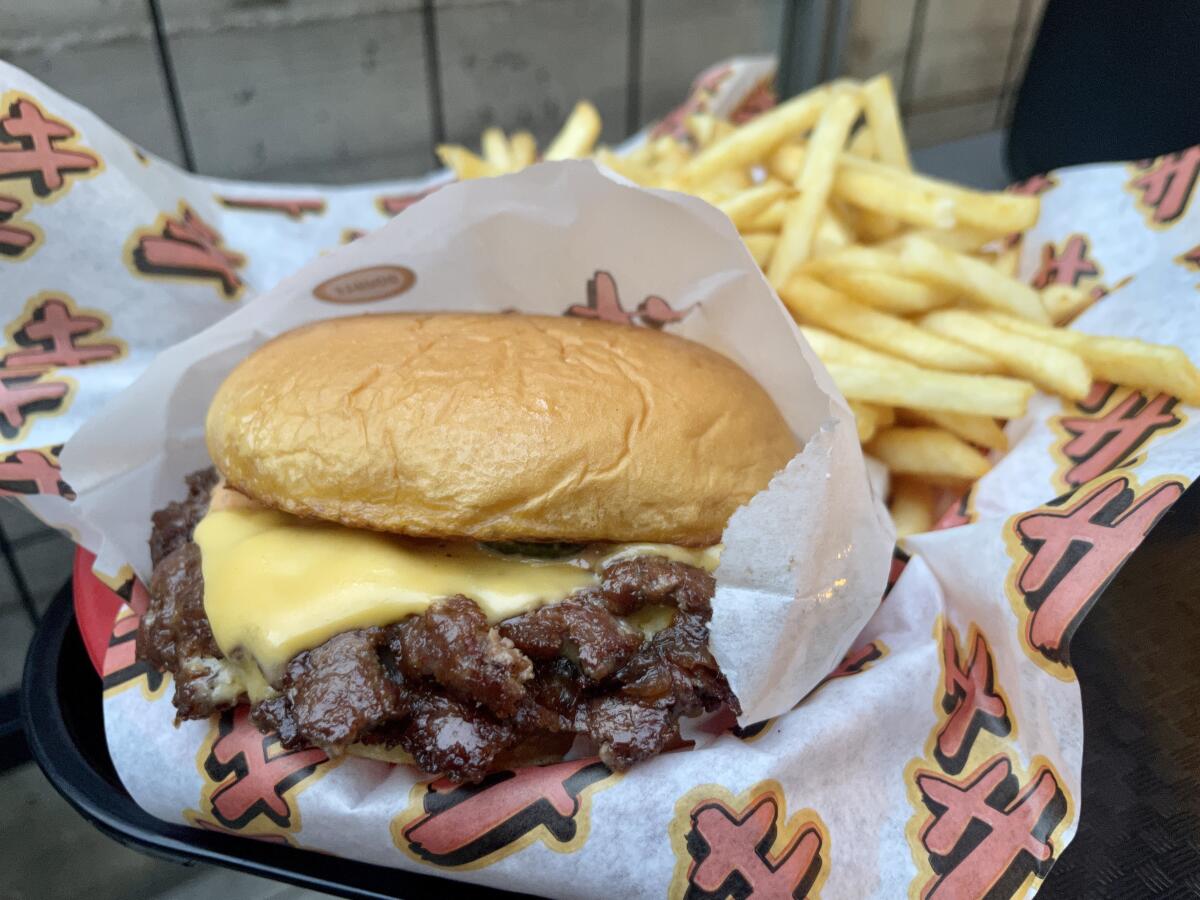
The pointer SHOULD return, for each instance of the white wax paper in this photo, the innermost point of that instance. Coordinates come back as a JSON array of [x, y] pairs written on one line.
[[940, 755]]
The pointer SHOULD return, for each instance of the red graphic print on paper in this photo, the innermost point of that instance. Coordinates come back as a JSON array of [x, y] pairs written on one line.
[[603, 302], [121, 665], [1107, 433], [30, 148], [24, 394], [468, 824], [970, 701], [856, 660], [53, 336], [295, 208], [988, 833], [899, 563], [392, 204], [1165, 187], [734, 850], [185, 246], [1069, 554], [957, 513], [1068, 265], [15, 240], [757, 100], [1190, 258], [252, 773], [32, 472]]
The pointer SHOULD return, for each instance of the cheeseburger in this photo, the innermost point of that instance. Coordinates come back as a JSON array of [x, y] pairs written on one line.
[[461, 541]]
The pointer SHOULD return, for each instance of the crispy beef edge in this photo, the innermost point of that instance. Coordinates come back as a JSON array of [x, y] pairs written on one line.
[[461, 696]]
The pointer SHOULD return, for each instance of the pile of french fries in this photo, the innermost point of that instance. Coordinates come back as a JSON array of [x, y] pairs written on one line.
[[904, 285]]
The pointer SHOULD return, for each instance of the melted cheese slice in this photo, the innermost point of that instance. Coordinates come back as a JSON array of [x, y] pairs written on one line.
[[275, 584]]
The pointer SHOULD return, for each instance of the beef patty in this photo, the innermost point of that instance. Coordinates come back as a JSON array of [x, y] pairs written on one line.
[[461, 696]]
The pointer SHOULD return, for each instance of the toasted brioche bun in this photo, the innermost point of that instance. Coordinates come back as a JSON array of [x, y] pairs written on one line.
[[498, 427]]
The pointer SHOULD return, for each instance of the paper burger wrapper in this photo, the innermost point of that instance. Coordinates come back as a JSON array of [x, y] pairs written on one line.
[[935, 750]]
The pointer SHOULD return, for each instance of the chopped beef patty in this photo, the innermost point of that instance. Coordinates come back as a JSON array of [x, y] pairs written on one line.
[[461, 696]]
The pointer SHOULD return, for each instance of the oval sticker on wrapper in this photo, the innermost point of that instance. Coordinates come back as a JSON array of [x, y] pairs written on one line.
[[366, 285]]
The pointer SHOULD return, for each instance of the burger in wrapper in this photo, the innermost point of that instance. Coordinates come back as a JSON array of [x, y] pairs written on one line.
[[462, 541]]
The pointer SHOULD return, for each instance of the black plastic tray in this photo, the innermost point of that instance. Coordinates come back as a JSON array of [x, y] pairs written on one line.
[[1138, 659]]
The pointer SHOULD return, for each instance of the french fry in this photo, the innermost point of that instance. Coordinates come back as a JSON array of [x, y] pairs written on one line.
[[496, 150], [862, 143], [979, 430], [743, 207], [1006, 261], [964, 240], [771, 219], [817, 303], [761, 245], [815, 181], [786, 162], [1064, 302], [929, 202], [465, 164], [932, 454], [522, 150], [635, 171], [832, 234], [885, 291], [702, 127], [578, 135], [868, 418], [1051, 367], [1126, 361], [751, 143], [835, 348], [925, 389], [883, 118], [974, 278], [911, 506]]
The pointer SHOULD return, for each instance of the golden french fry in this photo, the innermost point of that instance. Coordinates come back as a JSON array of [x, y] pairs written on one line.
[[1064, 302], [964, 240], [578, 135], [522, 149], [868, 418], [465, 164], [975, 279], [787, 162], [835, 348], [928, 453], [702, 127], [632, 169], [911, 387], [1053, 368], [743, 207], [883, 118], [912, 505], [832, 234], [874, 227], [980, 430], [771, 219], [816, 303], [816, 179], [495, 149], [761, 245], [929, 202], [862, 143], [1006, 262], [1125, 361], [885, 291], [751, 143]]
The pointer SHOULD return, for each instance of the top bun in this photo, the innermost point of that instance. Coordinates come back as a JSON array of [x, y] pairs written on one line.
[[498, 427]]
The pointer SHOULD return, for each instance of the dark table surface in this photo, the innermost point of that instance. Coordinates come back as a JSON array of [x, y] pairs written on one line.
[[1139, 669]]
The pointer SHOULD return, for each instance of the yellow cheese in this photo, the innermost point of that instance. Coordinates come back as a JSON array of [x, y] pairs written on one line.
[[275, 584]]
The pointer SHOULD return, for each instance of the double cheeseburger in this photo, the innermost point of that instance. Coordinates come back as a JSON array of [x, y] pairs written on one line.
[[461, 541]]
